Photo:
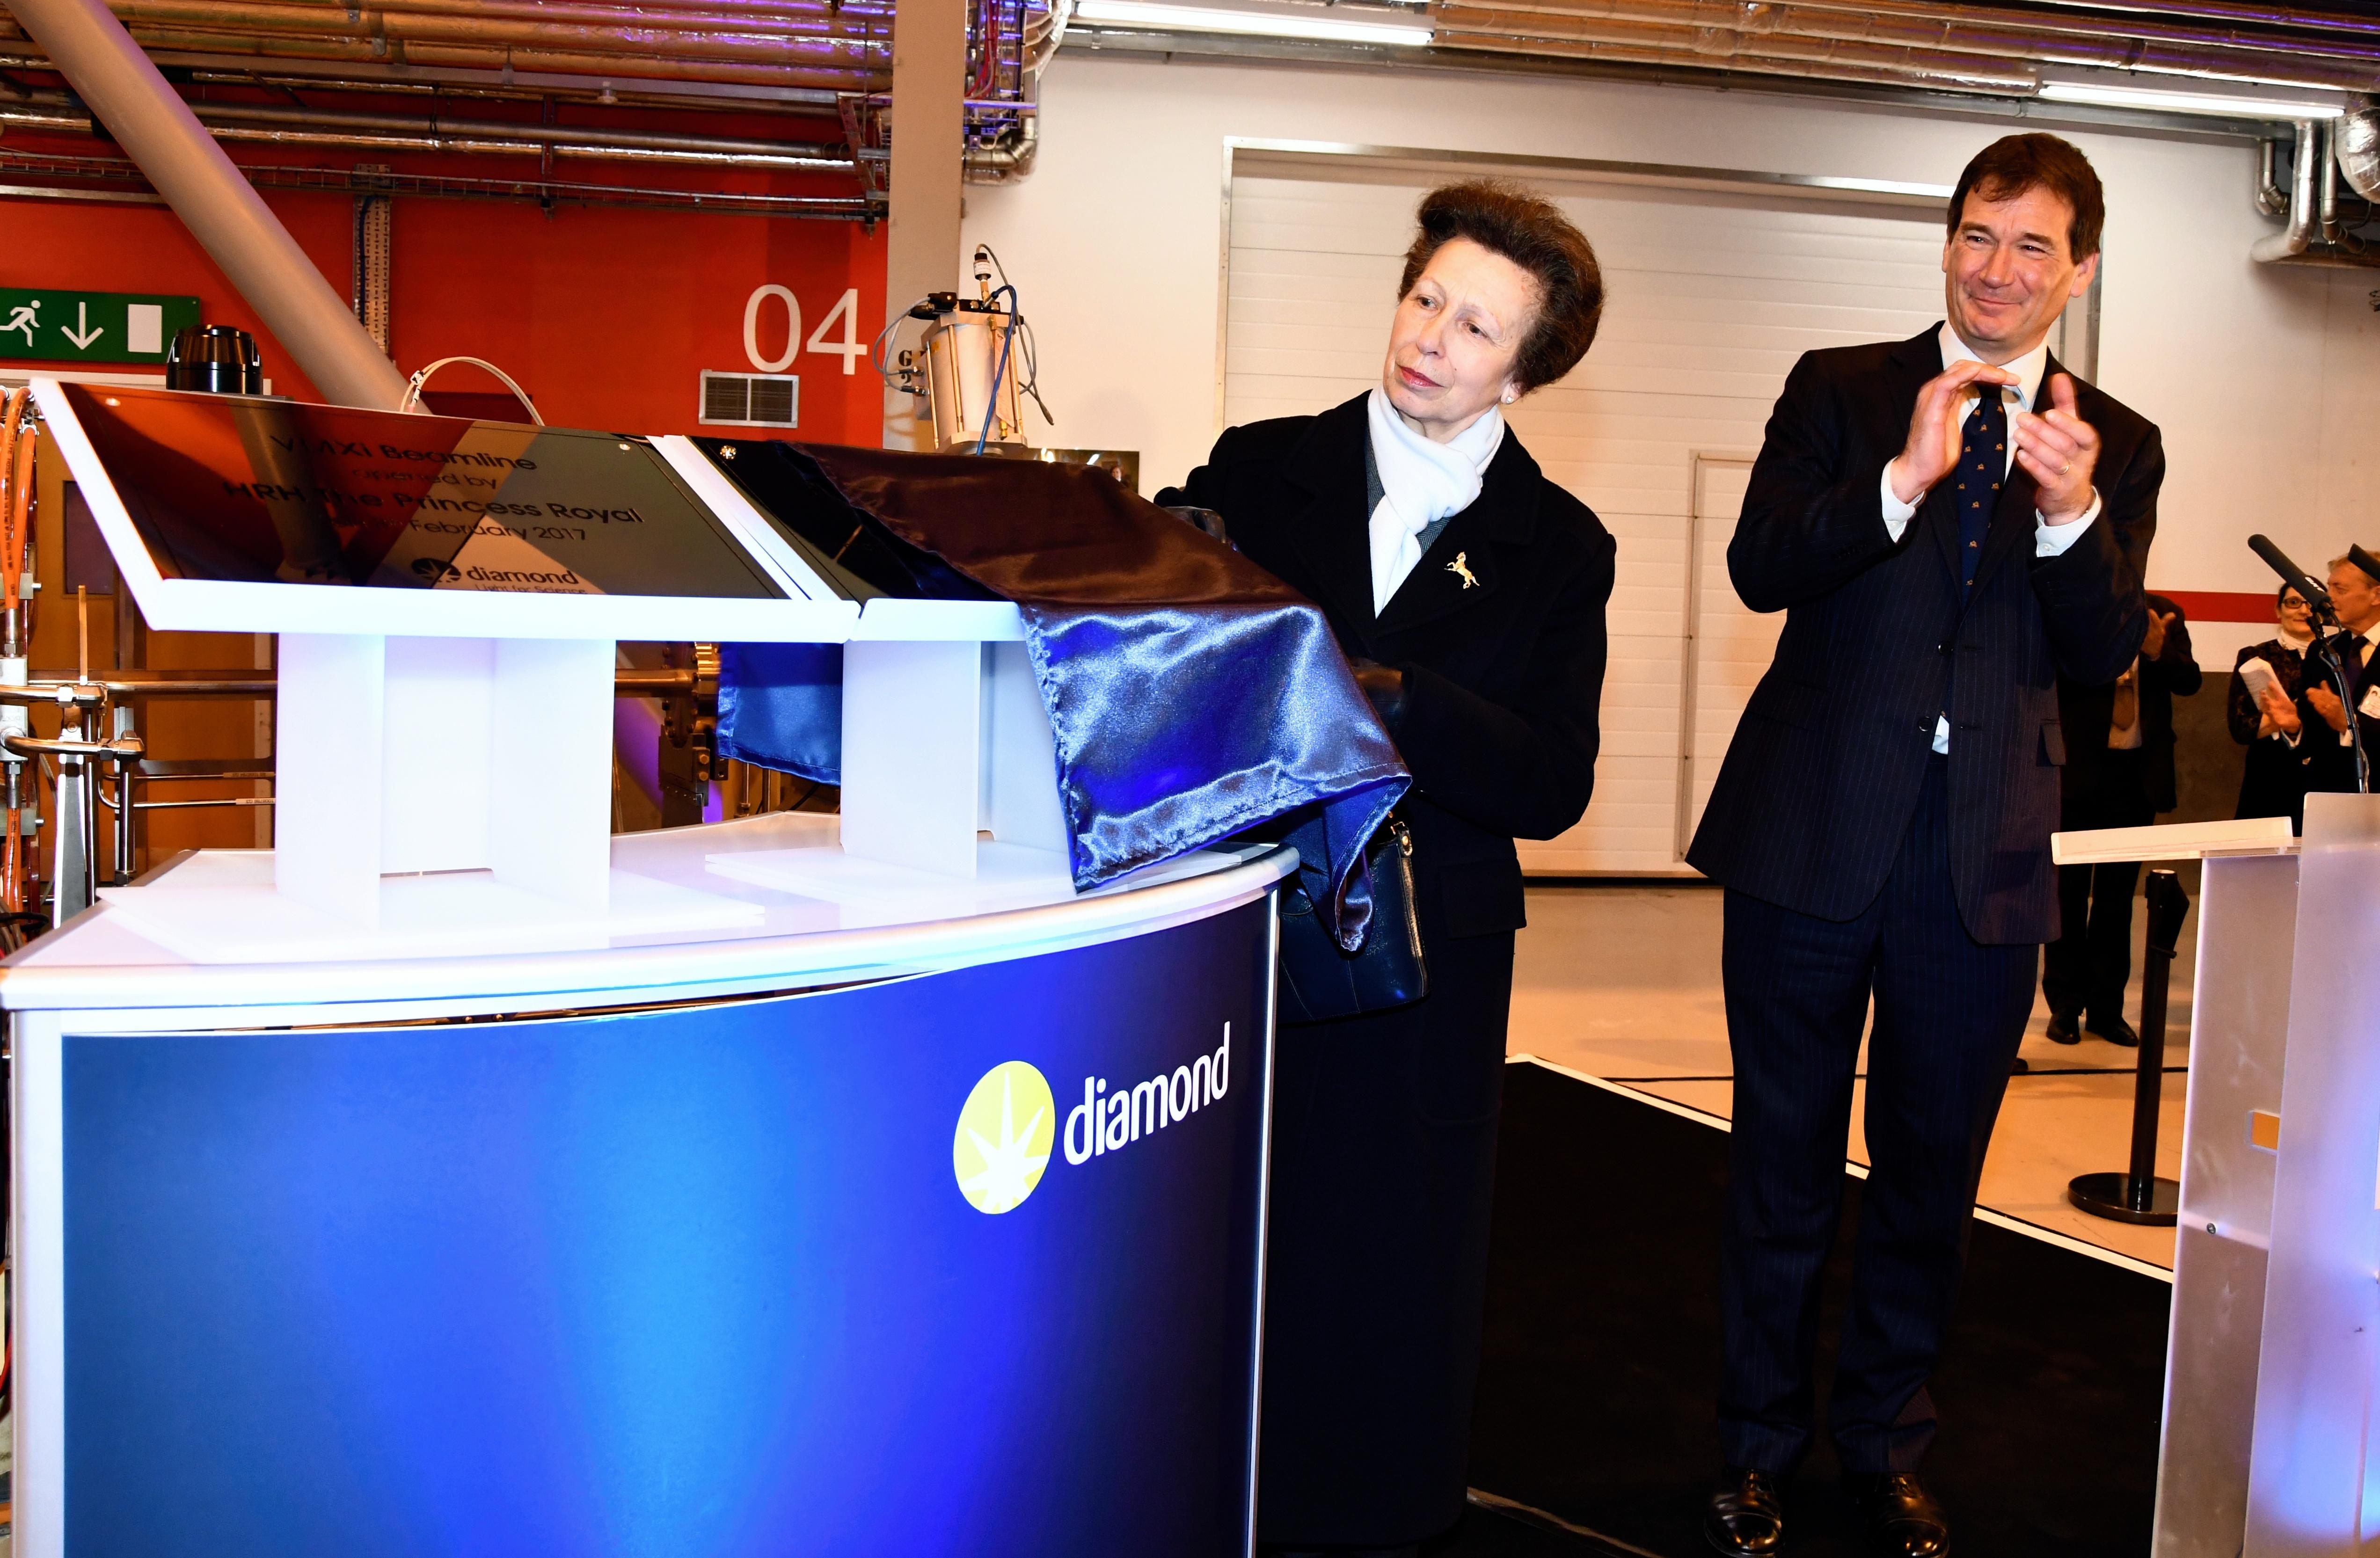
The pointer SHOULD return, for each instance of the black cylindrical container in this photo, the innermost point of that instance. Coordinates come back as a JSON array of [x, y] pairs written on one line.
[[216, 358]]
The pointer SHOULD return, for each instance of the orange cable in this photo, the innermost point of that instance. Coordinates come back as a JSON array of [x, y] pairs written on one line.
[[16, 498], [16, 506]]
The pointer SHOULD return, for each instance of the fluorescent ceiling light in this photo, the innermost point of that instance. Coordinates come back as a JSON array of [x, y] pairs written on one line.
[[2190, 103], [1261, 24]]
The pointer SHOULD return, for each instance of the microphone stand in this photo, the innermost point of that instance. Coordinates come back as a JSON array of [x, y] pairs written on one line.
[[2325, 645]]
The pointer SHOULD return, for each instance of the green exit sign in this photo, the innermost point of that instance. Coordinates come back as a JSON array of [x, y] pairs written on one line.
[[48, 325]]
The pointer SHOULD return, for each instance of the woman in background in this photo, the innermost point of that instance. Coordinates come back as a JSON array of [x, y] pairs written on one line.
[[2273, 783], [1468, 592]]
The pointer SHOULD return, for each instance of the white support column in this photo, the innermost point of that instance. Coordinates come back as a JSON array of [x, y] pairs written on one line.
[[437, 722], [912, 778], [1020, 779], [328, 763], [550, 768]]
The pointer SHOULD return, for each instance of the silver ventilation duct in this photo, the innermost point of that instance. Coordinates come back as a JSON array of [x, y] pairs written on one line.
[[2326, 152], [2359, 151], [2292, 241]]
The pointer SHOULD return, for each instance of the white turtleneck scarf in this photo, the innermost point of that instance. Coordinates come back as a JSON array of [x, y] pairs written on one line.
[[1421, 483]]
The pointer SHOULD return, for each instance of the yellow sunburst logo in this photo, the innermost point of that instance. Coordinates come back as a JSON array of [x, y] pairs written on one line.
[[1002, 1142]]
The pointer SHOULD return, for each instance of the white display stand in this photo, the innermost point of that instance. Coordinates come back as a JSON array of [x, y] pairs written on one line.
[[2273, 1359], [444, 758]]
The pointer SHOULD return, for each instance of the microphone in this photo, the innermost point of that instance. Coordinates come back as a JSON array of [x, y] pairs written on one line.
[[2291, 575]]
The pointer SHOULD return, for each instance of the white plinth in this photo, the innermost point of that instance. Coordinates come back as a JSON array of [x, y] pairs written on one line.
[[2173, 840], [219, 906], [879, 892]]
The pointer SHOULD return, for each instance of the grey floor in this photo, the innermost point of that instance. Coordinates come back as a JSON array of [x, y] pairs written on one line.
[[1621, 981]]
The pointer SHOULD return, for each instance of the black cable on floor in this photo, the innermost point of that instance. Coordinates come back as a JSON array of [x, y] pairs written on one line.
[[1861, 1076], [1522, 1514]]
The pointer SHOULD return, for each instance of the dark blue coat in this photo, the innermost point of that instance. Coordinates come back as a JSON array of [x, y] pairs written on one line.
[[1822, 778], [1503, 663]]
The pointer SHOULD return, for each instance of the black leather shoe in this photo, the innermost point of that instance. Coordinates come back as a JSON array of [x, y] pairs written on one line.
[[1899, 1518], [2116, 1031], [1746, 1518], [2020, 1066], [2065, 1027]]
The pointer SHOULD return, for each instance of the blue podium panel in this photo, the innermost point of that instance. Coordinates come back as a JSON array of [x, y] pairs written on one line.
[[966, 1262]]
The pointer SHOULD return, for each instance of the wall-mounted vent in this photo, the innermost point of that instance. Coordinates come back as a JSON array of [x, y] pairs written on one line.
[[751, 399]]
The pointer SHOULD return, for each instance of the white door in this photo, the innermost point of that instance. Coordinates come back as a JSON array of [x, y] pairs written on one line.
[[1712, 296]]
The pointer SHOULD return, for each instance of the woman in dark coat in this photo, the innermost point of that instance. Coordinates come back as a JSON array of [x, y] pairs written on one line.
[[2273, 783], [1468, 591]]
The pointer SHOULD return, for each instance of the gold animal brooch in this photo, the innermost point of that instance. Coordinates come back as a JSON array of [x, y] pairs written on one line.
[[1461, 567]]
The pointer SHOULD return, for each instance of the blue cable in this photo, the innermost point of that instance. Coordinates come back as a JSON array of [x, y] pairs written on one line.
[[1001, 372]]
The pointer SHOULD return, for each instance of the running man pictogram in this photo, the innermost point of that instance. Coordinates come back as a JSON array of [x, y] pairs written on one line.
[[24, 319]]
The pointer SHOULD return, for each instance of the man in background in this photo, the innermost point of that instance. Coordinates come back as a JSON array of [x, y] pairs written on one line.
[[2330, 756], [2119, 774]]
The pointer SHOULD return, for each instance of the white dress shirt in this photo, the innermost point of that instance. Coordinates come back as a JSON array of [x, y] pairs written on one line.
[[2049, 540]]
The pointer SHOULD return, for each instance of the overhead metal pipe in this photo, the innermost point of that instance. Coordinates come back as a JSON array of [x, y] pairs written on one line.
[[307, 128], [117, 179], [2292, 241], [1952, 76], [1631, 24], [221, 210], [1952, 19], [639, 63], [736, 41], [2271, 198], [2247, 11], [2327, 182], [2004, 37], [806, 18], [441, 132]]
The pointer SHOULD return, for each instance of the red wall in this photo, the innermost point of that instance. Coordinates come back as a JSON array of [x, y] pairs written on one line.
[[605, 316]]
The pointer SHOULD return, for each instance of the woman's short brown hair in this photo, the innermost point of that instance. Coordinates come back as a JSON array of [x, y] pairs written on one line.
[[1529, 231]]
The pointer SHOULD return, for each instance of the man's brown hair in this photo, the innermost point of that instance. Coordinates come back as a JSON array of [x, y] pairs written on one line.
[[1532, 232], [2014, 163]]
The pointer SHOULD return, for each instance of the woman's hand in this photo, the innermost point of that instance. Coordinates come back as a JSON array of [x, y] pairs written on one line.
[[2280, 715]]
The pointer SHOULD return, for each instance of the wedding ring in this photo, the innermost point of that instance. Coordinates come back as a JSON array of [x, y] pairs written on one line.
[[2066, 467]]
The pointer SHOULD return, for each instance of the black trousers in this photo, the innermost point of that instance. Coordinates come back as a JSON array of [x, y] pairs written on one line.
[[2088, 967], [1376, 1279], [1949, 1012]]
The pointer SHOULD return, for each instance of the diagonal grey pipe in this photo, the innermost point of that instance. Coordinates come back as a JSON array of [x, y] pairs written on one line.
[[221, 210]]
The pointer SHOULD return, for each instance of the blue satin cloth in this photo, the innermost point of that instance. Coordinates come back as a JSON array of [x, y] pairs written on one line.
[[780, 706], [1180, 726], [1193, 696]]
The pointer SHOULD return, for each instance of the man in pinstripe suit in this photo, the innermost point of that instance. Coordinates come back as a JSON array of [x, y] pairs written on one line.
[[1948, 522]]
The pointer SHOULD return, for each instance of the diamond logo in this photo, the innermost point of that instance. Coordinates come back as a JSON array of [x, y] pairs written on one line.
[[1003, 1138]]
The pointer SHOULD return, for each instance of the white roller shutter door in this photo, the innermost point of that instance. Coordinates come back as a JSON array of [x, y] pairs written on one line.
[[1712, 296]]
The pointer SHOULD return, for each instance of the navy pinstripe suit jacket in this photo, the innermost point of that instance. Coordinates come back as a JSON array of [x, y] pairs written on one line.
[[1821, 780]]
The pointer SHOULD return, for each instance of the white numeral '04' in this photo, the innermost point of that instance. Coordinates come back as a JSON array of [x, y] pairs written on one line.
[[850, 348]]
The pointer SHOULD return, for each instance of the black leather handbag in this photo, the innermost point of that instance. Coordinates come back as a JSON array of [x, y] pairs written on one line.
[[1318, 981]]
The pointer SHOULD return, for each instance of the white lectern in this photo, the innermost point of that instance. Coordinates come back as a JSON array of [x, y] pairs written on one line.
[[2273, 1361]]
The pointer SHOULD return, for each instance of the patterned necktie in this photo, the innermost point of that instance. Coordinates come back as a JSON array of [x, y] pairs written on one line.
[[1983, 463]]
